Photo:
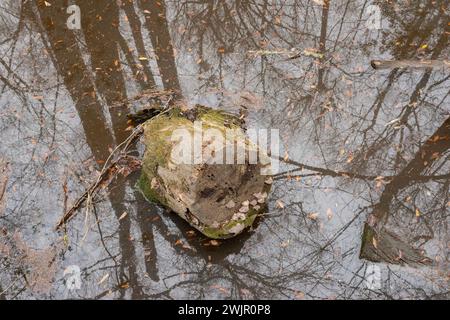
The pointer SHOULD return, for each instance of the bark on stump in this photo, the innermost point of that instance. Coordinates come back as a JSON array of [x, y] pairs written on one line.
[[218, 199]]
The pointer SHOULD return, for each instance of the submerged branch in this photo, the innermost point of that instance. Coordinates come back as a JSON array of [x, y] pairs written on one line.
[[416, 64]]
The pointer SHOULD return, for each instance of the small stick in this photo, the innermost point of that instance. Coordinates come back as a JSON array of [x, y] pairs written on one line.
[[416, 64], [107, 172]]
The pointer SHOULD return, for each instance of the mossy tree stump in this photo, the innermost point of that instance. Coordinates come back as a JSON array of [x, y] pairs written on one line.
[[218, 195]]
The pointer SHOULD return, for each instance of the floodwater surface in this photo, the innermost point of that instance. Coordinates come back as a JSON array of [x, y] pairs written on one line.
[[359, 209]]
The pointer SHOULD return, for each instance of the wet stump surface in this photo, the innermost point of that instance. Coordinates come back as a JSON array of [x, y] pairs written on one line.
[[218, 196]]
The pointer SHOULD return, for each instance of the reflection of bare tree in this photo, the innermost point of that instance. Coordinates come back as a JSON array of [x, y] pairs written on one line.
[[100, 23], [378, 243], [70, 65], [136, 29], [362, 140], [156, 24]]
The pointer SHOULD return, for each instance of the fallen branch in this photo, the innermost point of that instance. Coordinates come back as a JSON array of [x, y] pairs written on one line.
[[415, 64], [113, 165], [110, 170]]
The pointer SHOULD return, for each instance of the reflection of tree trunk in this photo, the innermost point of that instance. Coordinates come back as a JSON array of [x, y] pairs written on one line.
[[435, 146], [323, 39], [156, 23], [70, 65], [100, 21], [100, 24], [135, 25], [131, 62], [387, 246], [146, 212]]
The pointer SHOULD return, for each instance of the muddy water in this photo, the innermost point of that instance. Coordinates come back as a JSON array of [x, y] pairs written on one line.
[[363, 145]]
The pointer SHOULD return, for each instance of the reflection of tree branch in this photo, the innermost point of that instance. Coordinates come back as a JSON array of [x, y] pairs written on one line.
[[156, 23], [387, 246], [135, 25]]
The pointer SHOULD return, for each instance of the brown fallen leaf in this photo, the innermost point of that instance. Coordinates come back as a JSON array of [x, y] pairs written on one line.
[[313, 216], [103, 279], [417, 213], [124, 214], [280, 204], [375, 243], [329, 213], [214, 243]]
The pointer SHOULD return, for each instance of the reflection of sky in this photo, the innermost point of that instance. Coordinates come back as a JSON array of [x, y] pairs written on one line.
[[330, 125]]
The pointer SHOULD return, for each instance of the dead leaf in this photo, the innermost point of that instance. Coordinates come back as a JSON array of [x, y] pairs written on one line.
[[313, 216], [280, 204], [375, 243], [214, 243], [103, 279], [124, 214], [329, 213], [284, 244]]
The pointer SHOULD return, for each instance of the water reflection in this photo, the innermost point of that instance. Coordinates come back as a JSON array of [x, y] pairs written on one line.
[[364, 149]]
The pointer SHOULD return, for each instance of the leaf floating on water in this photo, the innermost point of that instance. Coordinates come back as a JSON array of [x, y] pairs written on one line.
[[350, 158], [375, 243], [329, 213], [214, 243], [313, 216], [123, 215], [280, 204], [103, 279], [284, 244], [299, 295]]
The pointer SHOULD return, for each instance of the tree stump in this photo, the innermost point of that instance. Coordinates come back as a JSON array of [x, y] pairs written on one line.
[[215, 192]]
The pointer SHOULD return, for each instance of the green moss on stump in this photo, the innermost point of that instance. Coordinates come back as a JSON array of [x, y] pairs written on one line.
[[168, 190]]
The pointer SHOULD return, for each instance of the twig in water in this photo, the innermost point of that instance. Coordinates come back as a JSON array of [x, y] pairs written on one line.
[[110, 170]]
